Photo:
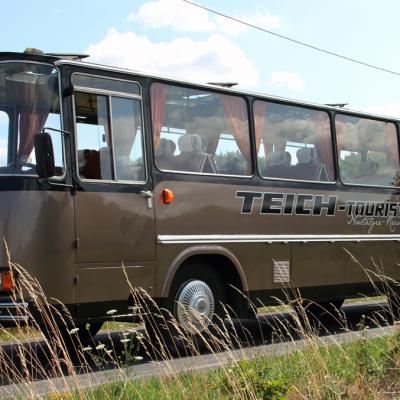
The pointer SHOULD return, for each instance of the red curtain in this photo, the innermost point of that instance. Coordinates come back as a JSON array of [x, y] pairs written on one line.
[[213, 143], [392, 150], [158, 96], [30, 124], [259, 111], [236, 114], [322, 130]]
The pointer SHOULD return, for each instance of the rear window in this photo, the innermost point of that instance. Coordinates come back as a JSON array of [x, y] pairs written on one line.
[[368, 151]]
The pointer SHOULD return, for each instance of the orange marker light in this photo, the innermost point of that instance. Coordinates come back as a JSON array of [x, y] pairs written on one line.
[[167, 196], [7, 281]]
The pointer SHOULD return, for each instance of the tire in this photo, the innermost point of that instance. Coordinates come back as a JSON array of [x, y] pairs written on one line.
[[313, 314], [193, 313]]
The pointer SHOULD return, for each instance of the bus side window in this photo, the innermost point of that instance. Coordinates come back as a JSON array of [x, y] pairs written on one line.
[[368, 151], [128, 140], [293, 142], [93, 136], [199, 131]]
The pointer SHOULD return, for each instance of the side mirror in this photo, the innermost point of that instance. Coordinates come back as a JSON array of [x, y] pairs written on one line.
[[45, 165]]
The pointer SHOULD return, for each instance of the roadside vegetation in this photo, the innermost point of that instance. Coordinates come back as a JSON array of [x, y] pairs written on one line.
[[362, 369], [365, 369]]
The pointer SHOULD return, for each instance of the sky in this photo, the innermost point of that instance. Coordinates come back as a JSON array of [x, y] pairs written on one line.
[[173, 38]]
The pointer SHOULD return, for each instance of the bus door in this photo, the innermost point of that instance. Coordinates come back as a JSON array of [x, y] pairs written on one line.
[[114, 219]]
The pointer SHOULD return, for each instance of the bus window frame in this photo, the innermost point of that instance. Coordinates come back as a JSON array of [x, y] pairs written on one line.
[[59, 178], [109, 94], [211, 90], [354, 114], [333, 143], [11, 122]]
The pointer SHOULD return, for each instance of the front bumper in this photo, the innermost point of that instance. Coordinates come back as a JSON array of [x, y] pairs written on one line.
[[13, 313]]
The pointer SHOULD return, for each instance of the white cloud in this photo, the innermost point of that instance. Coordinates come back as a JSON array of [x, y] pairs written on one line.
[[176, 14], [290, 80], [183, 17], [214, 59], [392, 110]]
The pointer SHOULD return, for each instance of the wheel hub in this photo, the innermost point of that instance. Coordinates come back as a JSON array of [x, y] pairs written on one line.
[[195, 305]]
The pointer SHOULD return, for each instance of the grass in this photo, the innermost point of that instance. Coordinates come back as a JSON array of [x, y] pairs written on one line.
[[26, 333], [364, 369]]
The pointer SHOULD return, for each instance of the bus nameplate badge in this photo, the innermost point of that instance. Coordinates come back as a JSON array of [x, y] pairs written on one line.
[[281, 271]]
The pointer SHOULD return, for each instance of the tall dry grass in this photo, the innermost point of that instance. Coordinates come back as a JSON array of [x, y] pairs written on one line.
[[64, 356]]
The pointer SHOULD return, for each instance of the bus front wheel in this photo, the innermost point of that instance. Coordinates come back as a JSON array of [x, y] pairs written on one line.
[[193, 313]]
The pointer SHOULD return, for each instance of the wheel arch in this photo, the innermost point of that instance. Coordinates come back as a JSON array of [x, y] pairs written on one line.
[[213, 255]]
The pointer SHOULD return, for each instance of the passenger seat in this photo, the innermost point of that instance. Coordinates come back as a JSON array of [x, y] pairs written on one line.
[[193, 157], [164, 154]]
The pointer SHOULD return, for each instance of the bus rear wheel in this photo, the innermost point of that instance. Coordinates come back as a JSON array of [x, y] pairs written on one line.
[[193, 313]]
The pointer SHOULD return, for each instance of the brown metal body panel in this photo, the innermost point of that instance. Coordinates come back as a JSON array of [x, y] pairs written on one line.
[[202, 208], [110, 282], [114, 230], [113, 227], [38, 227]]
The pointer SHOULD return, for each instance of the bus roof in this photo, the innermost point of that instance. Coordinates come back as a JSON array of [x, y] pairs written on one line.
[[76, 60]]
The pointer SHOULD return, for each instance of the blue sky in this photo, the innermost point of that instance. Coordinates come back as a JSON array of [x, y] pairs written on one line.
[[173, 38]]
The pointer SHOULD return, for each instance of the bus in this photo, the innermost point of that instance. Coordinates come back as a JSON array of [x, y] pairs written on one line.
[[201, 195]]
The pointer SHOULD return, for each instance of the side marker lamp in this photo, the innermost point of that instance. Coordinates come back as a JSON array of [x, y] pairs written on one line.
[[7, 281], [167, 196]]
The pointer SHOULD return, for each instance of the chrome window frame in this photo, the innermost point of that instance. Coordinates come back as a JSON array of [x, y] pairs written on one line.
[[79, 87], [252, 165], [109, 94], [56, 178], [333, 144], [349, 184]]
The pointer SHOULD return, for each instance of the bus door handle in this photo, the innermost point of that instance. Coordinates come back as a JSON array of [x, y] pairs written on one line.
[[147, 194]]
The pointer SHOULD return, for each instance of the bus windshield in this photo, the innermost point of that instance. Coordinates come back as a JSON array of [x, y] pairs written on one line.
[[29, 102]]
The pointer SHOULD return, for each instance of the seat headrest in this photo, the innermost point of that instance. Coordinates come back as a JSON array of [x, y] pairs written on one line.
[[166, 148], [83, 156], [306, 156], [191, 143], [279, 159]]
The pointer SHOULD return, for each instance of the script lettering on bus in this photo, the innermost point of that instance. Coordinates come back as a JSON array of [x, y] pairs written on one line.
[[359, 213]]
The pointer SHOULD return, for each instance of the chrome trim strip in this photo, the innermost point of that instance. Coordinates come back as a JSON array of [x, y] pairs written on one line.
[[206, 239], [106, 92], [111, 78], [13, 318], [13, 305]]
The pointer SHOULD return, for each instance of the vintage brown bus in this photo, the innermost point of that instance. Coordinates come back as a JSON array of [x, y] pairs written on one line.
[[193, 189]]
